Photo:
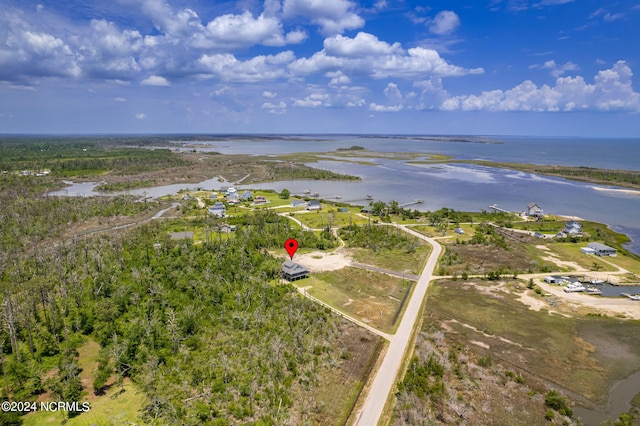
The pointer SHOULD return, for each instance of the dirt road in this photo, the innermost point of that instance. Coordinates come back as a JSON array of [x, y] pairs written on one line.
[[386, 375]]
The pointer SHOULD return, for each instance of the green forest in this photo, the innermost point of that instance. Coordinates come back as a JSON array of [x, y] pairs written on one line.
[[205, 330]]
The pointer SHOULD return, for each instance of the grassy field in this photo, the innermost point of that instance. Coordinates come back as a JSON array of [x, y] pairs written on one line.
[[370, 297], [116, 407], [582, 354], [337, 219], [397, 260]]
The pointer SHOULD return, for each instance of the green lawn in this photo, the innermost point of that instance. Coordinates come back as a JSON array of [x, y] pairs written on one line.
[[320, 218], [397, 260]]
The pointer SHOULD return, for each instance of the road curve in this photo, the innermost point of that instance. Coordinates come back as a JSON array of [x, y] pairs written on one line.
[[386, 375]]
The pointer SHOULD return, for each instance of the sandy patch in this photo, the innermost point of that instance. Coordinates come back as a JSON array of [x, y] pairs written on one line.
[[563, 263], [481, 344], [564, 216], [318, 261], [534, 303], [624, 191], [541, 247]]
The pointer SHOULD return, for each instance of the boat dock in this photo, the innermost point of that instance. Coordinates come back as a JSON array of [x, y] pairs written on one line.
[[498, 209], [416, 201]]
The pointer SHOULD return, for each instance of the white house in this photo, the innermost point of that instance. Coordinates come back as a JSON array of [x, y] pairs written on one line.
[[573, 228], [534, 210]]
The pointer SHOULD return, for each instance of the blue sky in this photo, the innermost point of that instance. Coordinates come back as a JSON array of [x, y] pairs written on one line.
[[519, 67]]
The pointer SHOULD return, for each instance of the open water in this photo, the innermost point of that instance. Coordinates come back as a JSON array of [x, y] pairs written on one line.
[[459, 186]]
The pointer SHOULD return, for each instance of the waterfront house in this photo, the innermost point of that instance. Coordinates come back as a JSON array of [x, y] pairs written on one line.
[[246, 195], [292, 271], [260, 199], [534, 210], [314, 205], [218, 209], [572, 228], [602, 250]]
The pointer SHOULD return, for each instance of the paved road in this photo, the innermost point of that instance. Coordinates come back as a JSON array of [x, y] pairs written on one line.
[[385, 377]]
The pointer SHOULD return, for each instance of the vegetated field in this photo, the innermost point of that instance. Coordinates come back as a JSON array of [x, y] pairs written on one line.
[[180, 322], [373, 298], [584, 355], [386, 247], [491, 250], [320, 219], [129, 162]]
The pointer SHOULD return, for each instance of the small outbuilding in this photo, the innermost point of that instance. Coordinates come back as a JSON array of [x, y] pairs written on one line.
[[602, 250], [292, 271], [587, 250]]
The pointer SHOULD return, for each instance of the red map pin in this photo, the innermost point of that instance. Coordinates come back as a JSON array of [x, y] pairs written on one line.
[[291, 245]]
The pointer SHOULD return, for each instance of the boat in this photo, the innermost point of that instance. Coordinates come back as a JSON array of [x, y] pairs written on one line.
[[369, 197], [306, 191], [338, 197], [631, 296], [574, 287], [593, 290], [419, 201]]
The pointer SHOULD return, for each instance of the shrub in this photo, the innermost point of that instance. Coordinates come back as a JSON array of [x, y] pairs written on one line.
[[553, 399]]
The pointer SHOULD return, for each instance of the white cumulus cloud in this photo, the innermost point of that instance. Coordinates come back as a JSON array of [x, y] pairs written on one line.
[[140, 116], [367, 55], [611, 90], [155, 80], [333, 16], [444, 23], [385, 108]]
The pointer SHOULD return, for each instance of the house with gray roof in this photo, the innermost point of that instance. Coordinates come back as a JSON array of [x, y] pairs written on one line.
[[602, 250], [534, 210], [292, 271], [218, 209]]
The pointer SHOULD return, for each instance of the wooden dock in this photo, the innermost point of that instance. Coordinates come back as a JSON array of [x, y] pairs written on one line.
[[498, 209], [416, 201]]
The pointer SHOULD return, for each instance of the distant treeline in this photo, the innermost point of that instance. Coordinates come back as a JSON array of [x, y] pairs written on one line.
[[292, 171], [82, 157]]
